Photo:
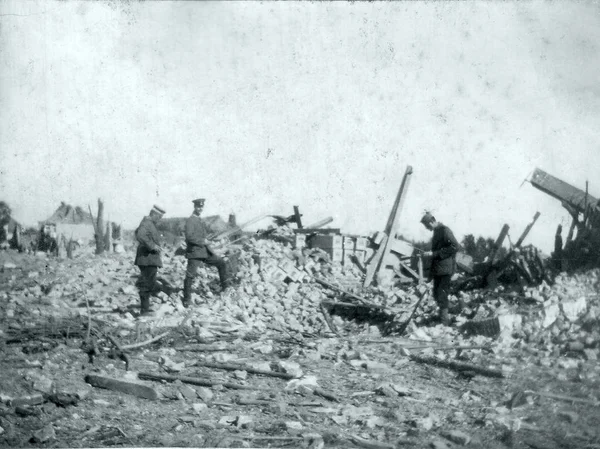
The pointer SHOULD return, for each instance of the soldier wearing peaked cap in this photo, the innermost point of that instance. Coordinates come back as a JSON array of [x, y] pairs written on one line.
[[444, 247], [198, 252], [147, 257]]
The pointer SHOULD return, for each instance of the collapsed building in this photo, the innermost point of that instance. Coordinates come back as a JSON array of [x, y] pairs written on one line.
[[582, 246]]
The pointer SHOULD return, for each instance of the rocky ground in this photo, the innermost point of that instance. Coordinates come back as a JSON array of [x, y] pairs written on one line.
[[283, 361]]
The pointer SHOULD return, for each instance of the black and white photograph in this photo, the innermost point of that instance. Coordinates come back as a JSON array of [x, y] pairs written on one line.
[[300, 224]]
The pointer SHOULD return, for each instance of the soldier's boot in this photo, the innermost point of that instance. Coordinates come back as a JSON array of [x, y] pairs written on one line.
[[444, 317], [145, 303], [187, 292]]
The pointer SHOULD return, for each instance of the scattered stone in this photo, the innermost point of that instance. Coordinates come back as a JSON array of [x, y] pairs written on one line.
[[240, 374], [34, 399], [458, 437], [293, 427], [44, 385], [188, 392], [25, 410], [569, 416], [208, 425], [591, 354], [290, 368], [44, 434], [128, 387], [101, 402], [439, 444], [386, 390], [199, 407], [204, 393]]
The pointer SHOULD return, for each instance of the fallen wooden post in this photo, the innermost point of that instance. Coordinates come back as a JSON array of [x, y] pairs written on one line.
[[328, 320], [325, 394], [358, 263], [368, 444], [248, 369], [120, 352], [562, 397], [410, 271], [135, 389], [147, 342], [352, 304], [196, 381], [457, 366], [210, 347], [407, 322], [347, 293]]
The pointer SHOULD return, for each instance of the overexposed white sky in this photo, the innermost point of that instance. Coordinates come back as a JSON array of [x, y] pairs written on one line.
[[259, 106]]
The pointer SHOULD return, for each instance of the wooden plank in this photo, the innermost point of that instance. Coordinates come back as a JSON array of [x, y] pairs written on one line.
[[248, 369], [363, 301], [561, 190], [375, 261], [457, 366], [196, 381], [297, 217], [123, 386], [392, 221], [527, 229], [498, 243], [412, 272], [315, 230]]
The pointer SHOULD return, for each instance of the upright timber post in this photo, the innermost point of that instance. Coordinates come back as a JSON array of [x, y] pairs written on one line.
[[498, 243], [527, 229], [385, 247], [297, 217]]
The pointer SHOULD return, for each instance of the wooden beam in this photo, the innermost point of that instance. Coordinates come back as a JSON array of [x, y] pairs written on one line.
[[375, 261], [527, 229], [297, 217], [410, 271], [498, 243], [385, 246]]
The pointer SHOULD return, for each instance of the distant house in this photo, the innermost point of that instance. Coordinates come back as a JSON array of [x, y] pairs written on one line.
[[71, 222]]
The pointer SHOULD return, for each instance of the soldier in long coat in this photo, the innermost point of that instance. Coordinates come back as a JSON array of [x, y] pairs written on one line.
[[147, 257], [198, 252], [444, 247]]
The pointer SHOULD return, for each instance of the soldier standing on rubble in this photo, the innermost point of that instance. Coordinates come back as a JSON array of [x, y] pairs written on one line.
[[147, 257], [444, 247], [198, 252]]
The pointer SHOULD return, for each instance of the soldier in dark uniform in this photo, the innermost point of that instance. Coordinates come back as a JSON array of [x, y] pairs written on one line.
[[147, 257], [443, 262], [198, 252]]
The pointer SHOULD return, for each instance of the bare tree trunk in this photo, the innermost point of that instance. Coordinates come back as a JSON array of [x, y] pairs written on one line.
[[70, 248], [108, 237], [99, 228]]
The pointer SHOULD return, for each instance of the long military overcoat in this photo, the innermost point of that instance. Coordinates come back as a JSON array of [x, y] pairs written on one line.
[[148, 238], [444, 247], [195, 238]]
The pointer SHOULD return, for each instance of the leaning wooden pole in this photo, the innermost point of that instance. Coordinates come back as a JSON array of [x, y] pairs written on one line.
[[527, 229], [389, 227]]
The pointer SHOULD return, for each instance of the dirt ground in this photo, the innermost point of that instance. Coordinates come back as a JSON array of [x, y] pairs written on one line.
[[377, 396]]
